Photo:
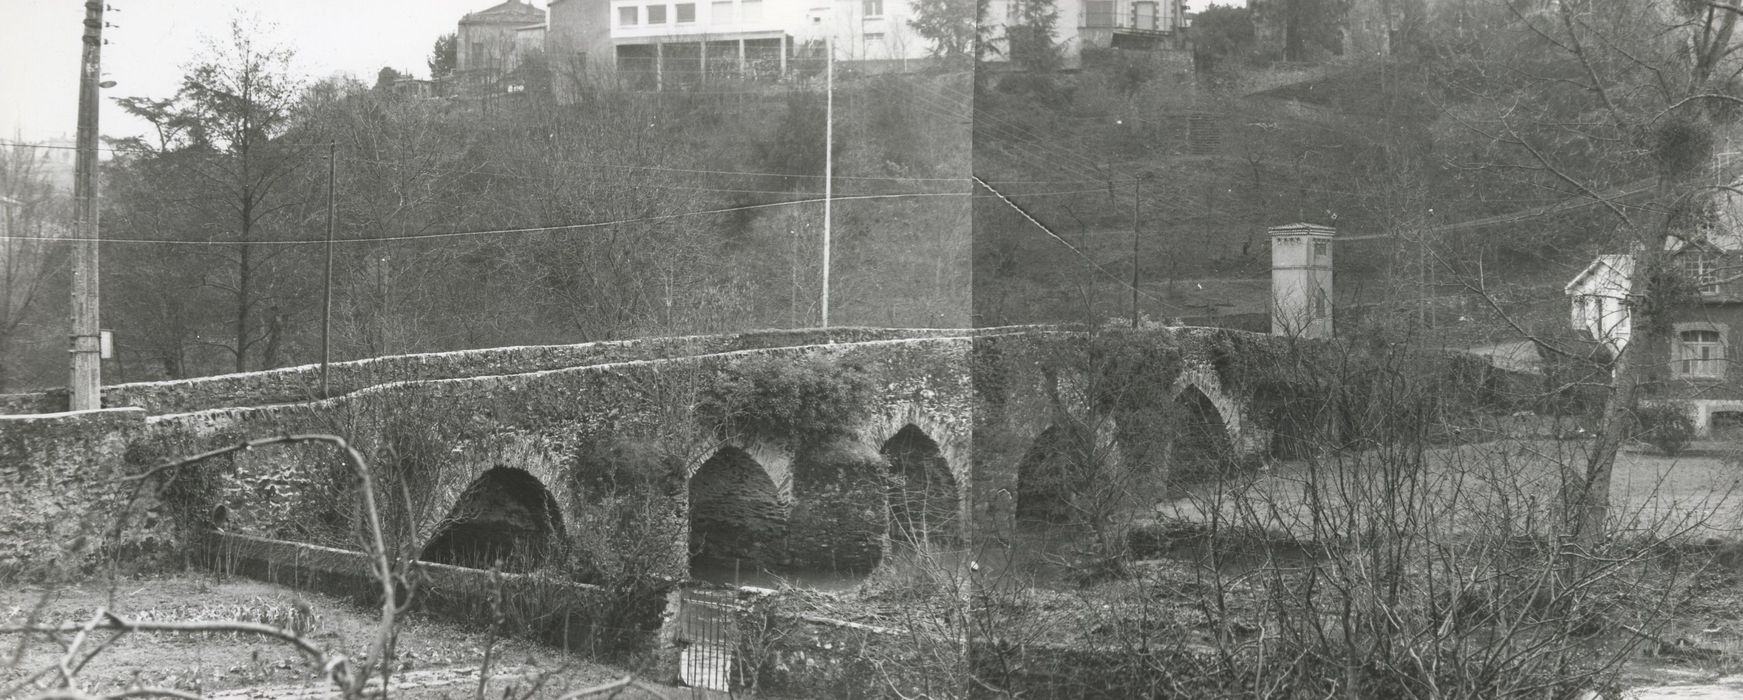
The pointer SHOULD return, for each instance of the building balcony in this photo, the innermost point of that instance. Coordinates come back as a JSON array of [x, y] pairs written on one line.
[[1108, 21]]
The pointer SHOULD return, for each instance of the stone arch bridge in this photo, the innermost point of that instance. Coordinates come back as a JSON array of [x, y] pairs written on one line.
[[573, 455]]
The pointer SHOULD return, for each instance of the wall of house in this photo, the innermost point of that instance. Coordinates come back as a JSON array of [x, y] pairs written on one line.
[[484, 46], [1707, 388], [1301, 280], [578, 45], [493, 41], [1082, 26], [877, 31]]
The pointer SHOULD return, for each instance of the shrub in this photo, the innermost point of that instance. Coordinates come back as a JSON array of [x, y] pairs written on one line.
[[1666, 427], [787, 399]]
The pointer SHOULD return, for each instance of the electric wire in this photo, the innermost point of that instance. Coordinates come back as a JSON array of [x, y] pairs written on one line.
[[487, 232], [1068, 246]]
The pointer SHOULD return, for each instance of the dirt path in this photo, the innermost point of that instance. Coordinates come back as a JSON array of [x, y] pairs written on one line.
[[1725, 689]]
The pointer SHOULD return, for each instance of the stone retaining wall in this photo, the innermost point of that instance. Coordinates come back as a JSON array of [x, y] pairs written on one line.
[[543, 607], [61, 490]]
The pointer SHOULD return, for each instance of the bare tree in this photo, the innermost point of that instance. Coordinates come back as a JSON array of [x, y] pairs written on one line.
[[230, 180], [1621, 105]]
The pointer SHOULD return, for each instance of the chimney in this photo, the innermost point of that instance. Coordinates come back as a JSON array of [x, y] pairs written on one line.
[[1301, 280]]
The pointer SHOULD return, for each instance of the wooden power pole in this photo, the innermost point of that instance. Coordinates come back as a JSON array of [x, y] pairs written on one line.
[[828, 157], [86, 389], [1137, 188], [327, 276]]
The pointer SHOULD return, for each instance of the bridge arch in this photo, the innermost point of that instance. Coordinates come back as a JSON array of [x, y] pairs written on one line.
[[950, 434], [1199, 381], [926, 503], [506, 518], [737, 509], [1064, 459]]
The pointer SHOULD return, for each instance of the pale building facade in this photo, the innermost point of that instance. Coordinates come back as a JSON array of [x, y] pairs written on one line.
[[1690, 364], [658, 44], [1094, 24], [1301, 280], [1599, 301], [493, 42]]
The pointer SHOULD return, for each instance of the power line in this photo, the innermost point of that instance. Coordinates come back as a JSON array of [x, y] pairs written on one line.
[[1068, 246], [734, 173], [574, 177], [1013, 137], [571, 178], [651, 168], [1064, 153], [943, 105], [490, 232]]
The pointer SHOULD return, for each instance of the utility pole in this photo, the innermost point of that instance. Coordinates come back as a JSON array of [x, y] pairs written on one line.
[[828, 156], [85, 390], [327, 279], [1137, 184]]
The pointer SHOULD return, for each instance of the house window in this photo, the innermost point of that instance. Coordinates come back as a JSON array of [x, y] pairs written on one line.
[[628, 16], [1144, 15], [874, 8], [874, 37], [686, 12], [721, 12], [751, 11], [1700, 353], [1703, 270], [1321, 249], [656, 14]]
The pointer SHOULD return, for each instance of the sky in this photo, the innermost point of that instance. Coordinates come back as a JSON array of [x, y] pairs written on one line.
[[154, 40]]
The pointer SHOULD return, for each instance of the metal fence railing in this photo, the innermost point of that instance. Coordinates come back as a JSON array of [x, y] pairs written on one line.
[[708, 631]]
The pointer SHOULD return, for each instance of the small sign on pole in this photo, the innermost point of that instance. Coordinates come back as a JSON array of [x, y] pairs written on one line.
[[107, 344]]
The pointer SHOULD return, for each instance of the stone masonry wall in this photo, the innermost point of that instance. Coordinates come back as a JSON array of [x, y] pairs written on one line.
[[550, 423], [302, 383], [60, 490], [556, 424]]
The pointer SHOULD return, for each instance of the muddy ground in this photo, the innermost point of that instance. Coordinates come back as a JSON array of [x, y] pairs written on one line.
[[435, 659]]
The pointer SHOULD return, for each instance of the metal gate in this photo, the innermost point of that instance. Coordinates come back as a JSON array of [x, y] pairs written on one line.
[[708, 631]]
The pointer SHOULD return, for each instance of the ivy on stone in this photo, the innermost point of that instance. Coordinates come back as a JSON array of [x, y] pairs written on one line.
[[786, 399]]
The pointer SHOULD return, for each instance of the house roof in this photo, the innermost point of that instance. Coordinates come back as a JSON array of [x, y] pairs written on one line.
[[1608, 273], [1519, 356], [512, 11]]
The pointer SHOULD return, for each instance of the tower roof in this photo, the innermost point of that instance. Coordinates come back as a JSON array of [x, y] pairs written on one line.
[[1302, 229], [510, 12]]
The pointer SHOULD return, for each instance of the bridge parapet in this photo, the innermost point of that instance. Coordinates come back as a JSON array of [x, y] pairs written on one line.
[[302, 383]]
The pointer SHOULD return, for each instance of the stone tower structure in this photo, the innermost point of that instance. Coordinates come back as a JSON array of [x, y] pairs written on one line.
[[1301, 264]]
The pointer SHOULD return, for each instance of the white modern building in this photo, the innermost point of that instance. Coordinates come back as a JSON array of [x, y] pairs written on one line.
[[1094, 24], [665, 43]]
